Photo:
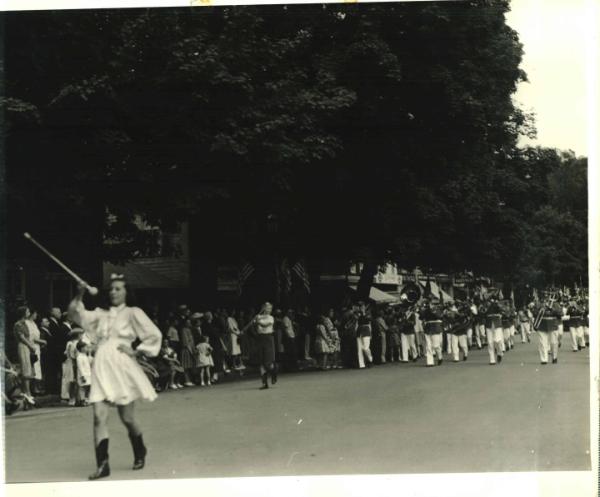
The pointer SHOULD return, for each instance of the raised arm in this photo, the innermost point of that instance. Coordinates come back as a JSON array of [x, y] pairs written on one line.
[[88, 320]]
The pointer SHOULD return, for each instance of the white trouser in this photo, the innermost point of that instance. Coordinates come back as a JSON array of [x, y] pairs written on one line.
[[482, 332], [506, 335], [586, 334], [495, 340], [408, 342], [420, 339], [470, 336], [525, 331], [433, 345], [383, 338], [479, 334], [459, 342], [548, 344], [560, 332], [512, 330], [363, 344], [448, 343], [577, 336]]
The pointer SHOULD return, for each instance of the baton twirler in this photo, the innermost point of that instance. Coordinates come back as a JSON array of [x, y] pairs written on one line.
[[92, 290]]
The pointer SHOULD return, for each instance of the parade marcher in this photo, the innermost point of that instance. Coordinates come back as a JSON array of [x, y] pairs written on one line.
[[461, 322], [264, 325], [363, 337], [408, 335], [507, 321], [432, 324], [576, 326], [493, 330], [117, 378], [419, 333], [478, 325], [524, 325], [548, 331]]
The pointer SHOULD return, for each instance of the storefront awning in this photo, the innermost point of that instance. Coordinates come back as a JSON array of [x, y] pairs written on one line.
[[435, 290], [376, 295]]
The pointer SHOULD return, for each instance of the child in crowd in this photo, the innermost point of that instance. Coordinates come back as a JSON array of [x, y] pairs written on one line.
[[171, 365], [84, 372], [69, 389], [205, 360]]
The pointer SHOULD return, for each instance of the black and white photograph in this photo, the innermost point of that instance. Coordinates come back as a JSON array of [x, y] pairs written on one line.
[[297, 240]]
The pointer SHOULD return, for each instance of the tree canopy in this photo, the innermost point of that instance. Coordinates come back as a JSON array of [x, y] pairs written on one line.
[[386, 130]]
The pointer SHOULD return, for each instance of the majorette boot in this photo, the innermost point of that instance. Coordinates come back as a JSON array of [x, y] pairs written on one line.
[[102, 467], [265, 382], [139, 451], [274, 374]]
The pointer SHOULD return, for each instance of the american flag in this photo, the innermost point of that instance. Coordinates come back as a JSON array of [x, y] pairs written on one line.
[[300, 269], [286, 276], [245, 272]]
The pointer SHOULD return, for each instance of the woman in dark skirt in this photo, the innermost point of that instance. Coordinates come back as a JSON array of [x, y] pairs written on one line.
[[189, 361], [264, 326]]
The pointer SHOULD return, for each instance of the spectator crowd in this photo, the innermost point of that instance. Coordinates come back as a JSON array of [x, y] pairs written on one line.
[[53, 355]]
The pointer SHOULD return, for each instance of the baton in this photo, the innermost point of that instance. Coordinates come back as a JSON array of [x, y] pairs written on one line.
[[92, 290]]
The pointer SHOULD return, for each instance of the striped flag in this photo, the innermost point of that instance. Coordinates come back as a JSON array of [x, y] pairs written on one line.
[[286, 276], [428, 292], [245, 272], [300, 269]]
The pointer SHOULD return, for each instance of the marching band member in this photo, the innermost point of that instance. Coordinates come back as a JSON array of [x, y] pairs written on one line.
[[461, 323], [478, 325], [432, 324], [472, 312], [548, 331], [493, 329], [507, 322], [363, 337], [576, 326], [407, 336], [117, 378], [419, 332], [524, 324]]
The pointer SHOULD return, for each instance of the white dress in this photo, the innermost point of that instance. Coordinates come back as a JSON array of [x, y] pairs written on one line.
[[116, 377], [234, 332], [34, 334]]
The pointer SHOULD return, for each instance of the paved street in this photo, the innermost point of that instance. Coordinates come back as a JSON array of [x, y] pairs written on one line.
[[397, 418]]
